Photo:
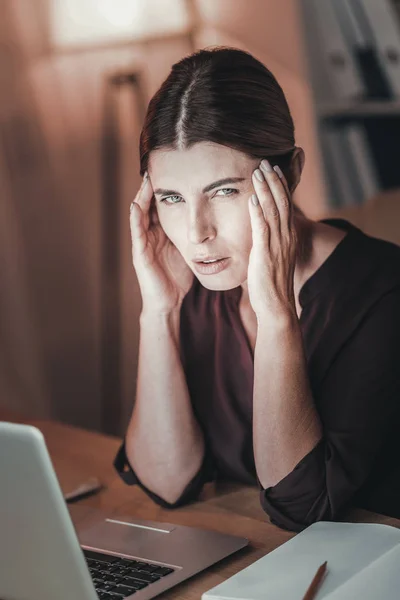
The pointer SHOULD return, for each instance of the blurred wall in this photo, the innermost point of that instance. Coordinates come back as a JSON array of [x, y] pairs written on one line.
[[51, 132]]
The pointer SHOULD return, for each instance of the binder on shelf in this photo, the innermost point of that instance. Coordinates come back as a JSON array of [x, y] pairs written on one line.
[[358, 138], [383, 134], [319, 80], [340, 65], [360, 40], [362, 160], [339, 169], [383, 22]]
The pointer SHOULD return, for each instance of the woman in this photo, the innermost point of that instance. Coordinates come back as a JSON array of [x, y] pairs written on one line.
[[279, 364]]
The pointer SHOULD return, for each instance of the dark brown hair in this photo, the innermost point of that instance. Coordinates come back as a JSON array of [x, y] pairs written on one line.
[[221, 95]]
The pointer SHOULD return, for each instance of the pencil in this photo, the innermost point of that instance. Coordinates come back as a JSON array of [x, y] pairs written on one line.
[[312, 590]]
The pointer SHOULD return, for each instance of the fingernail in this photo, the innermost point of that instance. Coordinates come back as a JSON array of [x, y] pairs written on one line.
[[254, 199], [266, 166], [146, 176], [259, 175], [278, 170], [131, 207]]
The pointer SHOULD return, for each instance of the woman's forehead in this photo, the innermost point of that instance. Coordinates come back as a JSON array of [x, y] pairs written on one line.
[[202, 160]]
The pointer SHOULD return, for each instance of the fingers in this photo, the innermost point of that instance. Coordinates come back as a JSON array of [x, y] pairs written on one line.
[[143, 199], [287, 216], [278, 170], [138, 231], [270, 229], [259, 227], [145, 194], [274, 199]]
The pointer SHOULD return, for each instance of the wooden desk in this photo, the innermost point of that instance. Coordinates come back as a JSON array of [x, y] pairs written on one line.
[[228, 508]]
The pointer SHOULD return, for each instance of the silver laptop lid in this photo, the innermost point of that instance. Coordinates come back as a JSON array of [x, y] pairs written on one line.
[[37, 536]]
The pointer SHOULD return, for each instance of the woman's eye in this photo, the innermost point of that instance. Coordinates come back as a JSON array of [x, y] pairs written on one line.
[[229, 191], [224, 192], [167, 198]]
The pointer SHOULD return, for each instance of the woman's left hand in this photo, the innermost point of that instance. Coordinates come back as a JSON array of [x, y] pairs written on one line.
[[273, 255]]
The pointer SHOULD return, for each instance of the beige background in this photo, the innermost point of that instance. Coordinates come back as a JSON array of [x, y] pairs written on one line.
[[51, 130]]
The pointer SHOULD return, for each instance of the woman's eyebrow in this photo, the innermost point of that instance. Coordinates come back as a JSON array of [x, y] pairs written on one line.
[[208, 187]]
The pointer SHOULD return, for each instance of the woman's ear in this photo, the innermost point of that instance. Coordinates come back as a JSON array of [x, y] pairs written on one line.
[[296, 167]]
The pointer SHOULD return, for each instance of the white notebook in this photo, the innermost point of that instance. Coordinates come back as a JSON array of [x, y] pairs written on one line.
[[363, 562]]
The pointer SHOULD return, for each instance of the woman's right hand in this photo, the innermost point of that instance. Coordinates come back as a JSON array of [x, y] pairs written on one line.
[[164, 277]]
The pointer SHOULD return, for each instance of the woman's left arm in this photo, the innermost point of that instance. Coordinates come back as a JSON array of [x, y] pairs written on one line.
[[312, 465], [286, 425]]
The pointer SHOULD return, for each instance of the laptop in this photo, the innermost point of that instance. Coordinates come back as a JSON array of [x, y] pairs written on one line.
[[42, 558]]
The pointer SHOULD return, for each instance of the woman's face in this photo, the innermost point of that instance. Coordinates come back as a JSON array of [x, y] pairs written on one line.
[[201, 198]]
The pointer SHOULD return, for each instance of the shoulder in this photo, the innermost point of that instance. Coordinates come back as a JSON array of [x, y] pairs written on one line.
[[380, 259], [371, 283], [365, 256], [354, 322]]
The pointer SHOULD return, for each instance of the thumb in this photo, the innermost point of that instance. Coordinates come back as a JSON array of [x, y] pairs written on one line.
[[138, 234]]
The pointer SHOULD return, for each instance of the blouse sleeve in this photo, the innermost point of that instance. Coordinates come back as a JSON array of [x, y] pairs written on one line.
[[189, 494], [359, 408]]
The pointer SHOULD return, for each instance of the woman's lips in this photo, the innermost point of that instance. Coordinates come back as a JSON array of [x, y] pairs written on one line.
[[211, 268]]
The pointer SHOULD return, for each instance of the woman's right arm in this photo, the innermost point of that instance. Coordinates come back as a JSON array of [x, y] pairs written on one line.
[[164, 443]]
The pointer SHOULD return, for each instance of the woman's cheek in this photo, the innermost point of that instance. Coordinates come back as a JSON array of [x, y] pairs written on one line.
[[171, 227]]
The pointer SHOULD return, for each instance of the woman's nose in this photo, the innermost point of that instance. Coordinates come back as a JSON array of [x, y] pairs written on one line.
[[200, 229]]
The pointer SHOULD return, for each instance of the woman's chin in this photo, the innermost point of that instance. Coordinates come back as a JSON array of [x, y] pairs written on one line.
[[217, 283]]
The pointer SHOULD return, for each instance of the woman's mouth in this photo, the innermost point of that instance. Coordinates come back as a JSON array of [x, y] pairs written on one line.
[[211, 268]]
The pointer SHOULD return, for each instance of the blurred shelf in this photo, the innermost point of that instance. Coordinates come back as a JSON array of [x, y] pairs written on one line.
[[357, 137], [362, 109]]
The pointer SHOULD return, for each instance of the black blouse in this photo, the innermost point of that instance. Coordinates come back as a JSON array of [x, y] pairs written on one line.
[[350, 322]]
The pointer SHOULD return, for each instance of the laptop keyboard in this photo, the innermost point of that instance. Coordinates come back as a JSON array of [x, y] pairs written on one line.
[[115, 578]]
